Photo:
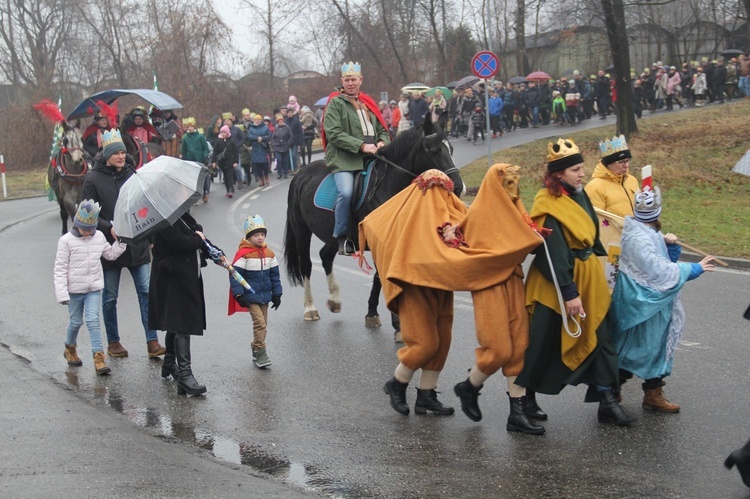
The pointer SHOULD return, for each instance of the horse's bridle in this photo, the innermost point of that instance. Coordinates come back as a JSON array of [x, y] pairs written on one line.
[[60, 164], [404, 170]]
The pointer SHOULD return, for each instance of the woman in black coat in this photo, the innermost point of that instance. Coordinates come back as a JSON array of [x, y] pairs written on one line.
[[176, 303], [226, 156]]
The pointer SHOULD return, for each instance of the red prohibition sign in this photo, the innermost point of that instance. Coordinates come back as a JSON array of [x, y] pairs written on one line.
[[485, 64]]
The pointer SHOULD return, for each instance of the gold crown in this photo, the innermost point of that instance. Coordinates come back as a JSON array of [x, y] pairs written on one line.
[[562, 149], [188, 121], [246, 111], [226, 116], [617, 144], [351, 69], [110, 137]]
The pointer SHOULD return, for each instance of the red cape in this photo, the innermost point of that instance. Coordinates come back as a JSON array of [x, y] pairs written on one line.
[[366, 99], [148, 126], [233, 305]]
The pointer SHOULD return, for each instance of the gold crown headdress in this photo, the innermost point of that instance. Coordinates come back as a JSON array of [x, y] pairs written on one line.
[[87, 215], [188, 121], [614, 150], [226, 116], [562, 154], [351, 69], [246, 111]]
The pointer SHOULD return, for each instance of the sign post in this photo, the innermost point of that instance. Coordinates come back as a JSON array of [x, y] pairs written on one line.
[[2, 167], [485, 65]]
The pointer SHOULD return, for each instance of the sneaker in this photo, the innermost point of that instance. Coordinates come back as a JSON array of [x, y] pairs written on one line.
[[115, 349], [261, 358], [155, 349]]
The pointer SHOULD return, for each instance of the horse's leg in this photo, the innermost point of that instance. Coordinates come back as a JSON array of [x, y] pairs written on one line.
[[327, 255], [311, 313], [372, 319], [63, 216]]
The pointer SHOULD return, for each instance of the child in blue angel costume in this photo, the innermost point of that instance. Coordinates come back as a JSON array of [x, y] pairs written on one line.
[[646, 309]]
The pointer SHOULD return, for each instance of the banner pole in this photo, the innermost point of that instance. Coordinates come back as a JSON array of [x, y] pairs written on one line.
[[2, 167]]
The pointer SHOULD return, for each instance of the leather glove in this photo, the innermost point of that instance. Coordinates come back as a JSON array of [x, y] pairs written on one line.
[[276, 300], [242, 300]]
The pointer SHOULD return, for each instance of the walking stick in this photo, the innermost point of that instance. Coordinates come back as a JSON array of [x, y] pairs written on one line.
[[702, 253]]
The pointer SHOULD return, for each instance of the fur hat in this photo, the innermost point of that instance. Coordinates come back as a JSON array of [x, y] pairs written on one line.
[[254, 224], [87, 215], [562, 154], [647, 205], [112, 143]]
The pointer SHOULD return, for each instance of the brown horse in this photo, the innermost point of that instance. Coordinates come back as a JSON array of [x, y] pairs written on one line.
[[66, 172]]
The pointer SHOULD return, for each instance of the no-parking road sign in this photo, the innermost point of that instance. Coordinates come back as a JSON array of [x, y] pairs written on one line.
[[485, 64]]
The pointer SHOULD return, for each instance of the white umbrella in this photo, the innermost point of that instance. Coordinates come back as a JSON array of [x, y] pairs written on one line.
[[157, 195], [743, 165], [414, 87]]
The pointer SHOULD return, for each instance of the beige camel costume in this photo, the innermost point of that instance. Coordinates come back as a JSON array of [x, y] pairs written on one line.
[[419, 272]]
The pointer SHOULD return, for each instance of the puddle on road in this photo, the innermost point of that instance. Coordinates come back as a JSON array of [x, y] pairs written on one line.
[[227, 449]]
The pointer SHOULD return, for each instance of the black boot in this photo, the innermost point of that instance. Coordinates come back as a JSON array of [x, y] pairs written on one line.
[[469, 394], [396, 390], [531, 407], [186, 383], [741, 457], [427, 401], [610, 410], [169, 365], [517, 419]]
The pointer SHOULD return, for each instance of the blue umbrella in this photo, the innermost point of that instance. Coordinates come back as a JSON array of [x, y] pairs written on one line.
[[321, 102], [88, 107]]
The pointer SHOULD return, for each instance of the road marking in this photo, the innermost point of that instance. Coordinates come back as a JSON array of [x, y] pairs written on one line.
[[693, 344]]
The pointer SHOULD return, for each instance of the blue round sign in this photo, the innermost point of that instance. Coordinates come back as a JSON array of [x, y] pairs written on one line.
[[485, 64]]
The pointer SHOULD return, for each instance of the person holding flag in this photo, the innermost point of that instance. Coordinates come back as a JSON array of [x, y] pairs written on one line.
[[352, 129]]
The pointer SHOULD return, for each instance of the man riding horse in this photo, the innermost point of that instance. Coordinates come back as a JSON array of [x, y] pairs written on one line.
[[353, 129]]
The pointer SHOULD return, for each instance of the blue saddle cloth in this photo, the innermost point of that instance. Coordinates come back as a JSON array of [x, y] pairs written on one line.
[[325, 195]]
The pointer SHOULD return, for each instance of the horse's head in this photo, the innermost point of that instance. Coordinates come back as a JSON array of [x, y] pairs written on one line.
[[72, 143], [437, 152]]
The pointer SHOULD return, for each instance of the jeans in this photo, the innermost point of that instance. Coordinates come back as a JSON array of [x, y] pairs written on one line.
[[140, 275], [345, 185], [79, 304], [745, 85], [293, 158]]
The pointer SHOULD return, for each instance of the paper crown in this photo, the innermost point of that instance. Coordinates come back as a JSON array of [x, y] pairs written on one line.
[[246, 111], [562, 154], [254, 224], [111, 137], [226, 116], [351, 69], [647, 204], [200, 131], [614, 150], [87, 216], [188, 121]]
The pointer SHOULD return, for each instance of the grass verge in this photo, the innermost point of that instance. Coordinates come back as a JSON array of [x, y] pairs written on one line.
[[692, 154]]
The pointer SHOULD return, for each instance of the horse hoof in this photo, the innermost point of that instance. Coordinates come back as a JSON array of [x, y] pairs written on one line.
[[372, 321], [334, 307], [312, 315]]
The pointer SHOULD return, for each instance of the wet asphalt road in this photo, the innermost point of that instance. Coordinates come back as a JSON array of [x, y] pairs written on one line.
[[318, 417]]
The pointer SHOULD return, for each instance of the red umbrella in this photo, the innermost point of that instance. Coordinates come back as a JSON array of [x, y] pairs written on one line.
[[538, 75]]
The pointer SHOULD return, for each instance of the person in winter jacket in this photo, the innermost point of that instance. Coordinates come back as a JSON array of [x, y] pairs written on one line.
[[79, 279], [112, 168], [226, 158], [298, 136], [282, 139], [496, 113], [257, 264], [309, 125], [195, 148], [478, 119], [259, 138], [611, 187]]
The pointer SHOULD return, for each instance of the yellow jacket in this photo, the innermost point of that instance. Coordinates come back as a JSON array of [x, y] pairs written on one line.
[[610, 192]]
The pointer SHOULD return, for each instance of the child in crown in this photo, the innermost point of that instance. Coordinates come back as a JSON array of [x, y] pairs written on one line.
[[646, 310], [257, 264], [79, 280]]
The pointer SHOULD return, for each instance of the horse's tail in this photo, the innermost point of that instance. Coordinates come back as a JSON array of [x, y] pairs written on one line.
[[291, 248]]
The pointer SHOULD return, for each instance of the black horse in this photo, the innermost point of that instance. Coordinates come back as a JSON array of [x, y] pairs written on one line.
[[409, 155]]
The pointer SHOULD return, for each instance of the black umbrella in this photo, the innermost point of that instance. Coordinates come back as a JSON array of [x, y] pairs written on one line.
[[731, 53], [516, 80], [466, 82], [452, 85]]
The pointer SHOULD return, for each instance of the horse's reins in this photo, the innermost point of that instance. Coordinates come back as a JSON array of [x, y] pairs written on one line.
[[64, 172]]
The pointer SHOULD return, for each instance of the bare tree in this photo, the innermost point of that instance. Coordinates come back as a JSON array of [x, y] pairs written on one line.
[[275, 17]]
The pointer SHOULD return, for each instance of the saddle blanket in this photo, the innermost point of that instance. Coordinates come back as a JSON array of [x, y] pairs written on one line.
[[325, 195]]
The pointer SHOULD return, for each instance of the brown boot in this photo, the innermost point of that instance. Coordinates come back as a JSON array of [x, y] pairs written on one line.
[[155, 349], [655, 400], [72, 356], [100, 364], [115, 349]]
